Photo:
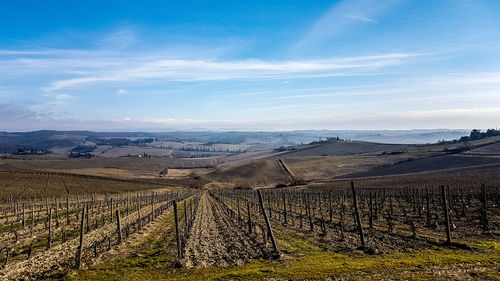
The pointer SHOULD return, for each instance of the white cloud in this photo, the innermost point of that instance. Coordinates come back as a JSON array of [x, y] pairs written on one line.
[[360, 18], [74, 68], [342, 17], [141, 68], [119, 39]]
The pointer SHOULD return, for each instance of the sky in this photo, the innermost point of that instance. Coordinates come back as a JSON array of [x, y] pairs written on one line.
[[249, 65]]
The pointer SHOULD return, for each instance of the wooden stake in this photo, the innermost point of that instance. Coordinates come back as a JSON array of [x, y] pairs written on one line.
[[249, 218], [358, 218], [138, 212], [49, 240], [371, 211], [284, 209], [80, 246], [118, 226], [268, 224], [446, 215], [67, 209], [177, 234], [484, 209]]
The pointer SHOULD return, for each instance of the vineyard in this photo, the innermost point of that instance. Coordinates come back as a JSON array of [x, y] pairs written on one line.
[[78, 229], [29, 185], [50, 223], [373, 220]]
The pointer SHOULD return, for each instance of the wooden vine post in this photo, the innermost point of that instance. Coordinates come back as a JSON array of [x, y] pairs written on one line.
[[284, 209], [118, 226], [371, 211], [23, 217], [484, 209], [268, 224], [177, 234], [446, 215], [80, 246], [49, 238], [67, 209], [185, 218], [358, 218], [111, 211], [138, 212], [249, 218]]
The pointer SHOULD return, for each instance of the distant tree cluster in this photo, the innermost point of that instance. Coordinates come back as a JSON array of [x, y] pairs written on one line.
[[190, 155], [142, 155], [80, 155], [328, 139], [202, 149], [474, 135], [477, 135], [31, 151]]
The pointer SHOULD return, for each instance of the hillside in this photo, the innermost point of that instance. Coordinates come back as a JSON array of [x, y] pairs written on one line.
[[491, 149], [341, 148], [442, 162], [259, 173]]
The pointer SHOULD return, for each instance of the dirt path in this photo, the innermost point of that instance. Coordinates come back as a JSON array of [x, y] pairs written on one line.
[[214, 239], [286, 171]]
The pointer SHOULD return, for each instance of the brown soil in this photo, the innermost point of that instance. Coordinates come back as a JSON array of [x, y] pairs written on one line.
[[215, 240], [250, 174], [129, 246], [61, 257]]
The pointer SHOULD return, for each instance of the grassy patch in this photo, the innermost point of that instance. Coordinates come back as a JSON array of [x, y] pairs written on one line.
[[305, 260]]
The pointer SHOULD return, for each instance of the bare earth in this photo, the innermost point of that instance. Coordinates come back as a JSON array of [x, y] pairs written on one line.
[[215, 240], [60, 257]]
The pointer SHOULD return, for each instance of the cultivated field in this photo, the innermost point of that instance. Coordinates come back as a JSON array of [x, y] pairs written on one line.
[[404, 227], [386, 213]]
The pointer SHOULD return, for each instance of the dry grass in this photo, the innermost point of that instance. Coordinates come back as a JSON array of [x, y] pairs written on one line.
[[465, 177], [255, 173], [341, 148], [430, 164], [332, 166], [492, 149]]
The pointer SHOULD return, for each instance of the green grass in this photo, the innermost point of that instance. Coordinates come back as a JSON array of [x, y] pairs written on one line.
[[302, 260]]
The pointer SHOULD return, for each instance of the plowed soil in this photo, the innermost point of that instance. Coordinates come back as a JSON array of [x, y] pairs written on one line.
[[215, 240], [61, 257]]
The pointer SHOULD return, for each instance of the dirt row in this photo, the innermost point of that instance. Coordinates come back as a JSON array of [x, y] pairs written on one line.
[[215, 240]]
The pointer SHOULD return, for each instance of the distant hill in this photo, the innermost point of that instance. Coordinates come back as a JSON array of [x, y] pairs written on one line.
[[491, 149], [250, 174], [431, 164], [47, 140], [340, 148]]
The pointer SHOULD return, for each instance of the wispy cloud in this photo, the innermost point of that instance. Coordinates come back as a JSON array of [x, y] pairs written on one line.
[[87, 68], [342, 17], [360, 18], [119, 39]]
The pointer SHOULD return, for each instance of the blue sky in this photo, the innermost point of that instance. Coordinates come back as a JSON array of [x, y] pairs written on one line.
[[249, 65]]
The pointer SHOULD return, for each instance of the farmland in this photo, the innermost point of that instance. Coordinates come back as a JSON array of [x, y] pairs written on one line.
[[319, 211]]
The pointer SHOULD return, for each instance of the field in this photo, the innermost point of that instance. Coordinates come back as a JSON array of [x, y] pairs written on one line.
[[320, 212], [222, 234]]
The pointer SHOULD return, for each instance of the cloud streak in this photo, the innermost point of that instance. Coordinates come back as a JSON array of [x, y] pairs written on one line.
[[86, 68], [342, 17], [360, 18]]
